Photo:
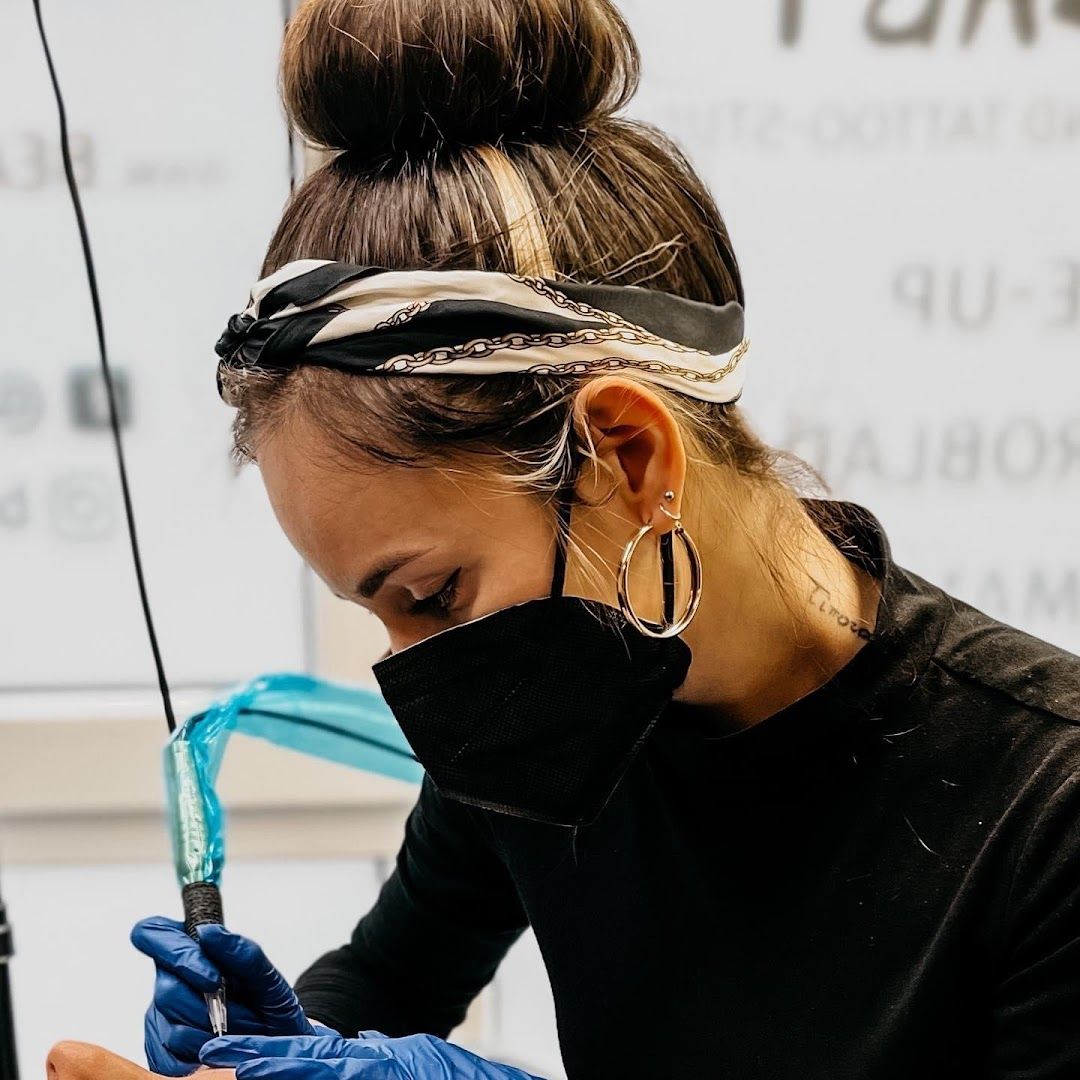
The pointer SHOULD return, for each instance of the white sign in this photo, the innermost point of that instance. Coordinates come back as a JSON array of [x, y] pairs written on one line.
[[900, 179], [182, 155]]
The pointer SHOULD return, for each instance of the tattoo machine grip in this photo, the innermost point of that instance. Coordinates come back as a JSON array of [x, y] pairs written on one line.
[[202, 907]]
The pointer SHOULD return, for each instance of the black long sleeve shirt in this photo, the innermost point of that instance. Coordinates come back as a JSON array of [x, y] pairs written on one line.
[[880, 881]]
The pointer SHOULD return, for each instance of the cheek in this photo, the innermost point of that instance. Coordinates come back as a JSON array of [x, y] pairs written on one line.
[[401, 637], [514, 574]]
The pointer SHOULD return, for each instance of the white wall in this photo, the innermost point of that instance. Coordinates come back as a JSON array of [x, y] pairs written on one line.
[[76, 977]]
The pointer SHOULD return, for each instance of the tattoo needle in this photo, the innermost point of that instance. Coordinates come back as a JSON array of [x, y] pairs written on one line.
[[216, 1007]]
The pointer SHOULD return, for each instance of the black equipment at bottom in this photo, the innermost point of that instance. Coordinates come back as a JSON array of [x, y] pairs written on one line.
[[9, 1062]]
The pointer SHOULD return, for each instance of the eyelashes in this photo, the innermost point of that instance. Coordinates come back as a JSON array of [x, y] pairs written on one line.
[[438, 603]]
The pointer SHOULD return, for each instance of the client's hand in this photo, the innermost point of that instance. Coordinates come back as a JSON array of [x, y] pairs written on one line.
[[260, 1001], [81, 1061], [370, 1057]]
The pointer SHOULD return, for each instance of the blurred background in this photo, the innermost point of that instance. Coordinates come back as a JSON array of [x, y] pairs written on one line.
[[900, 178]]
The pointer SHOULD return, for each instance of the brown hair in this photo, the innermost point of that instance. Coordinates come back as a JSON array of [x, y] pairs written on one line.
[[406, 93]]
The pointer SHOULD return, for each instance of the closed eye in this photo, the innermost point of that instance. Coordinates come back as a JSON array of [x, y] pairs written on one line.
[[438, 603]]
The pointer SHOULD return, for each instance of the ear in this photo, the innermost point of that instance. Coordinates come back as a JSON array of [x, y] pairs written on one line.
[[638, 439]]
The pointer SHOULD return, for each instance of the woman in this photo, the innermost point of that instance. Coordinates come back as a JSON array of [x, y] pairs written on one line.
[[773, 805]]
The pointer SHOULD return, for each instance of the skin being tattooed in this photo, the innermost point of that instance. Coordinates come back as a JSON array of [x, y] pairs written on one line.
[[821, 598]]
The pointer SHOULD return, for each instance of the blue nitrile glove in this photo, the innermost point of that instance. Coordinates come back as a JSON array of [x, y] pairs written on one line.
[[260, 1001], [370, 1057]]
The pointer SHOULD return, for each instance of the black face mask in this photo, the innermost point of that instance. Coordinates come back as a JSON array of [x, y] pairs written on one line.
[[536, 710]]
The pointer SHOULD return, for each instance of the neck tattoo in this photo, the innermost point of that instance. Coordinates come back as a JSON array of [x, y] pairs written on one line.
[[821, 598]]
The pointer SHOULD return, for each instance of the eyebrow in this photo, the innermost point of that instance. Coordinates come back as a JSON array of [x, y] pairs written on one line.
[[376, 578]]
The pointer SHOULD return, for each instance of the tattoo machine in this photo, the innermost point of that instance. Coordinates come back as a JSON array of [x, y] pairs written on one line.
[[352, 726]]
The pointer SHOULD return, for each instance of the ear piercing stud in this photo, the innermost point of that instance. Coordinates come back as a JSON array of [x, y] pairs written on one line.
[[668, 496]]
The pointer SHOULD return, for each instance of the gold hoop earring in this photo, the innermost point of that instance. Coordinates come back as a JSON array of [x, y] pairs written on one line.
[[665, 629]]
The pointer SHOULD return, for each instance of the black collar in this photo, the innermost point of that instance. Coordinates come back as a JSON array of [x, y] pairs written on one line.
[[867, 696]]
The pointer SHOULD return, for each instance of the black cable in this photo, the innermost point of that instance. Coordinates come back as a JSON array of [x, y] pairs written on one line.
[[106, 372], [286, 11], [292, 159], [320, 725], [9, 1062]]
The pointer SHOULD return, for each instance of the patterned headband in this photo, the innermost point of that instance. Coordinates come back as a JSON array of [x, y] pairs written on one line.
[[370, 320]]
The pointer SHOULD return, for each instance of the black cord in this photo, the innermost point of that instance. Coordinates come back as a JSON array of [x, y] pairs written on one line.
[[9, 1061], [286, 11], [106, 372], [292, 159], [319, 725]]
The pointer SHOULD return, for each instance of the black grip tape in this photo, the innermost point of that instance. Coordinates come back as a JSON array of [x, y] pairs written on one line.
[[202, 905]]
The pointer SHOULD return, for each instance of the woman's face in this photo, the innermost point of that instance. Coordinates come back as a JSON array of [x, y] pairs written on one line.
[[424, 549], [420, 548]]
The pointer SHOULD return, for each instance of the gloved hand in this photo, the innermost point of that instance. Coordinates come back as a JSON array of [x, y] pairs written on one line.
[[370, 1057], [260, 1001]]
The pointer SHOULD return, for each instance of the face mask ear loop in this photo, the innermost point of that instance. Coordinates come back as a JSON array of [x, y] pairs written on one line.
[[667, 570], [564, 506]]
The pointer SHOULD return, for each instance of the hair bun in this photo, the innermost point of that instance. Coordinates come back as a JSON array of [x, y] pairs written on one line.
[[396, 77]]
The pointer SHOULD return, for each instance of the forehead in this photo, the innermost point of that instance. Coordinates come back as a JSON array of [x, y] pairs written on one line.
[[341, 515], [315, 492]]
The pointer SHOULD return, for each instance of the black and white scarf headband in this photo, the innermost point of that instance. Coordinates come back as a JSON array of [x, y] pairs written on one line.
[[370, 320]]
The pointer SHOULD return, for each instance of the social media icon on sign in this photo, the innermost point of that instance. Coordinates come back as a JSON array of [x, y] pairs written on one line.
[[89, 403], [22, 403], [82, 506], [14, 507]]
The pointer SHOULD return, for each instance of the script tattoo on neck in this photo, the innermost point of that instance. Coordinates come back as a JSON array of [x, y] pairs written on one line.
[[821, 598]]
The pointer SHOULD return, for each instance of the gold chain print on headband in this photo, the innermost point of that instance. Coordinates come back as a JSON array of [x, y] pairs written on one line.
[[622, 329], [587, 310], [482, 347], [614, 363], [403, 315], [538, 285]]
